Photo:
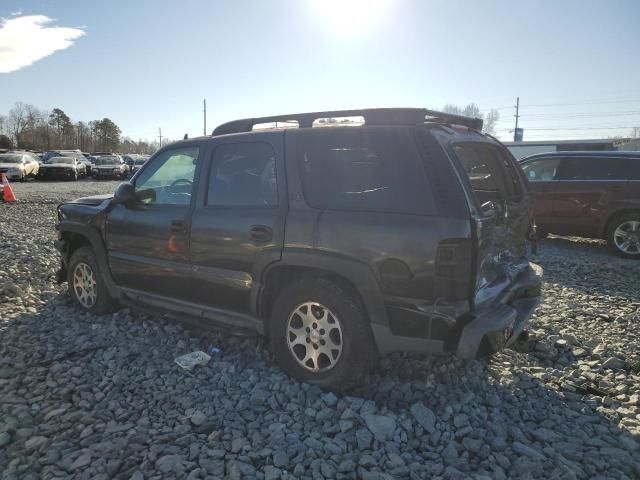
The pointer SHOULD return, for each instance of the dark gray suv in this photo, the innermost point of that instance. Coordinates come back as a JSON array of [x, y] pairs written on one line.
[[355, 234]]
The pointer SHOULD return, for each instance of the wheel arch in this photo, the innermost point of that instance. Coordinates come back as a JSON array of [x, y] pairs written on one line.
[[75, 235], [350, 275]]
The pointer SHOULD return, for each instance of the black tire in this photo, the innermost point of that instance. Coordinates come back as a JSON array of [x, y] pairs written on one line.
[[358, 350], [613, 226], [103, 303]]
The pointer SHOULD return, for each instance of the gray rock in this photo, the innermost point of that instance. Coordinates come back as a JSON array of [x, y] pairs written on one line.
[[327, 470], [381, 426], [271, 473], [424, 416], [34, 443], [281, 459], [363, 438], [170, 463], [527, 451], [198, 418], [5, 439], [81, 462], [450, 454]]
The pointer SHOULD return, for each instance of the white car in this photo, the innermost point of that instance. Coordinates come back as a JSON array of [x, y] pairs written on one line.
[[19, 165]]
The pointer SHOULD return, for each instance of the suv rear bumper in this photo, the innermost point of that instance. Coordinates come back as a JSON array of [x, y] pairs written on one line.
[[499, 323]]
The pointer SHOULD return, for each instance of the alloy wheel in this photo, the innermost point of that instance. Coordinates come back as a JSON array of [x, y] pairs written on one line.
[[84, 285], [627, 237], [314, 337]]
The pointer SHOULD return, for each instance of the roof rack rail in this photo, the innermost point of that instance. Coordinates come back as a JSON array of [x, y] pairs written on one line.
[[372, 116]]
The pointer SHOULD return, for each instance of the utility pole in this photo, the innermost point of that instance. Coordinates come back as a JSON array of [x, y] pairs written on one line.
[[160, 136], [204, 102], [517, 115]]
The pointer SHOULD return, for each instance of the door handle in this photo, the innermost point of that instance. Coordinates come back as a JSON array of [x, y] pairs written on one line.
[[261, 233], [177, 226]]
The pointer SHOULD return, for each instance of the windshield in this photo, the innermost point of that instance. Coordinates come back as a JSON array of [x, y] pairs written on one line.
[[107, 161], [60, 160], [10, 159], [140, 161]]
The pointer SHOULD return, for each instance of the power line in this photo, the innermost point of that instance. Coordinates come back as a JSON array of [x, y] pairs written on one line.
[[536, 105]]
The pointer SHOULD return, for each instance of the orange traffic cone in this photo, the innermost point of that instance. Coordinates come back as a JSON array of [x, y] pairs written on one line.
[[7, 191]]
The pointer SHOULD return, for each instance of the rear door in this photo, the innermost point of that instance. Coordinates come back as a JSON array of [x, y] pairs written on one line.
[[503, 214], [148, 241], [581, 201], [237, 227]]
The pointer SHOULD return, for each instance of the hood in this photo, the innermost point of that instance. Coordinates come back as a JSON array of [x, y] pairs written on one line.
[[66, 165], [93, 200], [106, 167]]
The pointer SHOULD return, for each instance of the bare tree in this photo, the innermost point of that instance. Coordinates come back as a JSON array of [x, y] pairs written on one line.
[[490, 121], [16, 122], [472, 110]]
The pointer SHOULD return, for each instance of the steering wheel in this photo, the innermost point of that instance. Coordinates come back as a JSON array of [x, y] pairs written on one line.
[[182, 181]]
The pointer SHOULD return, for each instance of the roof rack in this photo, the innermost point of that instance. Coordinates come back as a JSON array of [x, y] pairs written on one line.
[[372, 116]]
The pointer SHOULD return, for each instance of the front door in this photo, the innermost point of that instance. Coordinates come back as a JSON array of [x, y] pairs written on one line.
[[543, 183], [148, 241], [237, 227]]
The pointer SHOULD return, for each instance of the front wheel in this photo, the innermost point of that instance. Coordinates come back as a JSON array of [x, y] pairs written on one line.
[[320, 334], [86, 286], [623, 235]]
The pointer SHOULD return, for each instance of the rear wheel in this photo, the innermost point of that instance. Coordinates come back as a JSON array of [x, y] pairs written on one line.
[[319, 334], [623, 235], [86, 286]]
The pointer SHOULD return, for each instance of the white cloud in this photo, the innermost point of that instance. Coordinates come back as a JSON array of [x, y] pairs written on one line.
[[15, 14], [25, 40]]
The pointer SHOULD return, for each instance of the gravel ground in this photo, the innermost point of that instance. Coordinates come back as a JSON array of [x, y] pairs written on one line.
[[100, 397]]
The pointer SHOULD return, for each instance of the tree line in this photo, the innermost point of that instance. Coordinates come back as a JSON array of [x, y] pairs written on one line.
[[27, 127]]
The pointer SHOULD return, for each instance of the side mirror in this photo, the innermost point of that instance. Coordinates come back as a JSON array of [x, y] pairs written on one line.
[[124, 194]]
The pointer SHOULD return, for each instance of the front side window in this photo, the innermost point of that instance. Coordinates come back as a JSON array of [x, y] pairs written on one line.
[[168, 180], [363, 169], [243, 175], [543, 170]]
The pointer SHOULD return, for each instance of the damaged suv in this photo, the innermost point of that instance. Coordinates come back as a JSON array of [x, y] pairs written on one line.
[[356, 234]]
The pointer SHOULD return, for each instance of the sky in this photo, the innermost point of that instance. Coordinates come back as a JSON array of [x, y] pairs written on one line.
[[148, 64]]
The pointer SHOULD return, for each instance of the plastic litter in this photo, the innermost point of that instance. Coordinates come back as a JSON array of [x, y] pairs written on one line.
[[190, 360], [214, 350]]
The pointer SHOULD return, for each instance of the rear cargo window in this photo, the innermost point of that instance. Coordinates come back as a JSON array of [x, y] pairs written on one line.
[[366, 169]]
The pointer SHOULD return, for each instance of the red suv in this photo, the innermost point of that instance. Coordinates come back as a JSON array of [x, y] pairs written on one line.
[[588, 194]]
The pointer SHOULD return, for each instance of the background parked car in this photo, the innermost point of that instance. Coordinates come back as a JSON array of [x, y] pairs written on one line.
[[19, 165], [67, 167], [59, 153], [110, 166], [138, 163], [588, 194]]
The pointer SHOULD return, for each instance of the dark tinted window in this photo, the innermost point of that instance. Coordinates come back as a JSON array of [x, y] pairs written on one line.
[[543, 170], [357, 168], [599, 168], [243, 174], [489, 169]]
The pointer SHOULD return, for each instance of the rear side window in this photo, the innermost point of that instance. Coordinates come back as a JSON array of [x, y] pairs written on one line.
[[363, 169], [599, 168], [490, 171], [243, 175], [543, 170]]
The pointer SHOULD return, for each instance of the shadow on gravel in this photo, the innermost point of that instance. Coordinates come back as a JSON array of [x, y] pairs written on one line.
[[101, 397]]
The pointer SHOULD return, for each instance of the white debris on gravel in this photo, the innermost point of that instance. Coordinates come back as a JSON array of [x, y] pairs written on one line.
[[85, 396]]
